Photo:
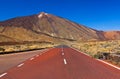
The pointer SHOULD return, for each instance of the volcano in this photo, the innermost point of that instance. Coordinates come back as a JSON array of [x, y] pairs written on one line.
[[50, 28]]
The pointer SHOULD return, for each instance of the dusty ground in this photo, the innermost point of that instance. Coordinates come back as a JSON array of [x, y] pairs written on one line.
[[10, 60]]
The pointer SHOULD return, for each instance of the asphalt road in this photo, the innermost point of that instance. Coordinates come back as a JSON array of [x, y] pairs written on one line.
[[8, 61], [62, 62]]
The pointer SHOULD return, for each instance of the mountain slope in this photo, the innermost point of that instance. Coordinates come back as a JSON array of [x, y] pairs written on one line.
[[48, 27], [112, 35]]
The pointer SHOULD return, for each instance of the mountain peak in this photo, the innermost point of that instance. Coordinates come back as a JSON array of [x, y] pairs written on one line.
[[53, 27], [42, 14]]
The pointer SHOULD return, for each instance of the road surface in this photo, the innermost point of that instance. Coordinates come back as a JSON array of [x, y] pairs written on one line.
[[62, 62], [8, 61]]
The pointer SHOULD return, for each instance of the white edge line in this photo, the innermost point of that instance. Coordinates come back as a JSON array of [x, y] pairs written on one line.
[[37, 55], [81, 52], [40, 53], [31, 58], [62, 49], [20, 65], [3, 75], [65, 62], [99, 60], [46, 51], [108, 64]]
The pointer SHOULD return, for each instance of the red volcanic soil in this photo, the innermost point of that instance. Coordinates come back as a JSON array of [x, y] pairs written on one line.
[[112, 35]]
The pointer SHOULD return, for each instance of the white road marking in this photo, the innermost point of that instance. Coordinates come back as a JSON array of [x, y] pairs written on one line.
[[37, 55], [20, 65], [85, 54], [40, 53], [31, 58], [80, 51], [65, 62], [62, 53], [99, 60], [109, 64], [62, 49], [3, 75]]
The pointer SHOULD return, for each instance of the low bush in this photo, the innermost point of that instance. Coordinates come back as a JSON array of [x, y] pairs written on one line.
[[2, 49]]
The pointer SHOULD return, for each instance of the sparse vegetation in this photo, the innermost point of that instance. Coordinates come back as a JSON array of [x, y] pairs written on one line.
[[101, 49], [98, 55], [2, 49], [25, 47], [95, 47]]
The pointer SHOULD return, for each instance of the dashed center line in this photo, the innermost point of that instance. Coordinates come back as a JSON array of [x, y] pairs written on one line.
[[62, 49], [62, 53], [65, 62], [31, 58], [3, 75], [20, 65]]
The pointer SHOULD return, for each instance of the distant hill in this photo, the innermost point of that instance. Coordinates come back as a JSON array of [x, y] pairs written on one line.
[[49, 28]]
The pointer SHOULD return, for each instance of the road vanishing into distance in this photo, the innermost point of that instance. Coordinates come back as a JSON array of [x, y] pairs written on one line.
[[62, 62]]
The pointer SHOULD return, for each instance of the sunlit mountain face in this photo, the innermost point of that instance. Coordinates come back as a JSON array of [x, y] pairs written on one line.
[[50, 28]]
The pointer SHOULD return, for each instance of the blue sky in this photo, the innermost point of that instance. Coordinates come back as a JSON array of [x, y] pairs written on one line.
[[97, 14]]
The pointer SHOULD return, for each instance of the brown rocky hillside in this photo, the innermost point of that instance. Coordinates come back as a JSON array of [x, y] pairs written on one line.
[[51, 28]]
